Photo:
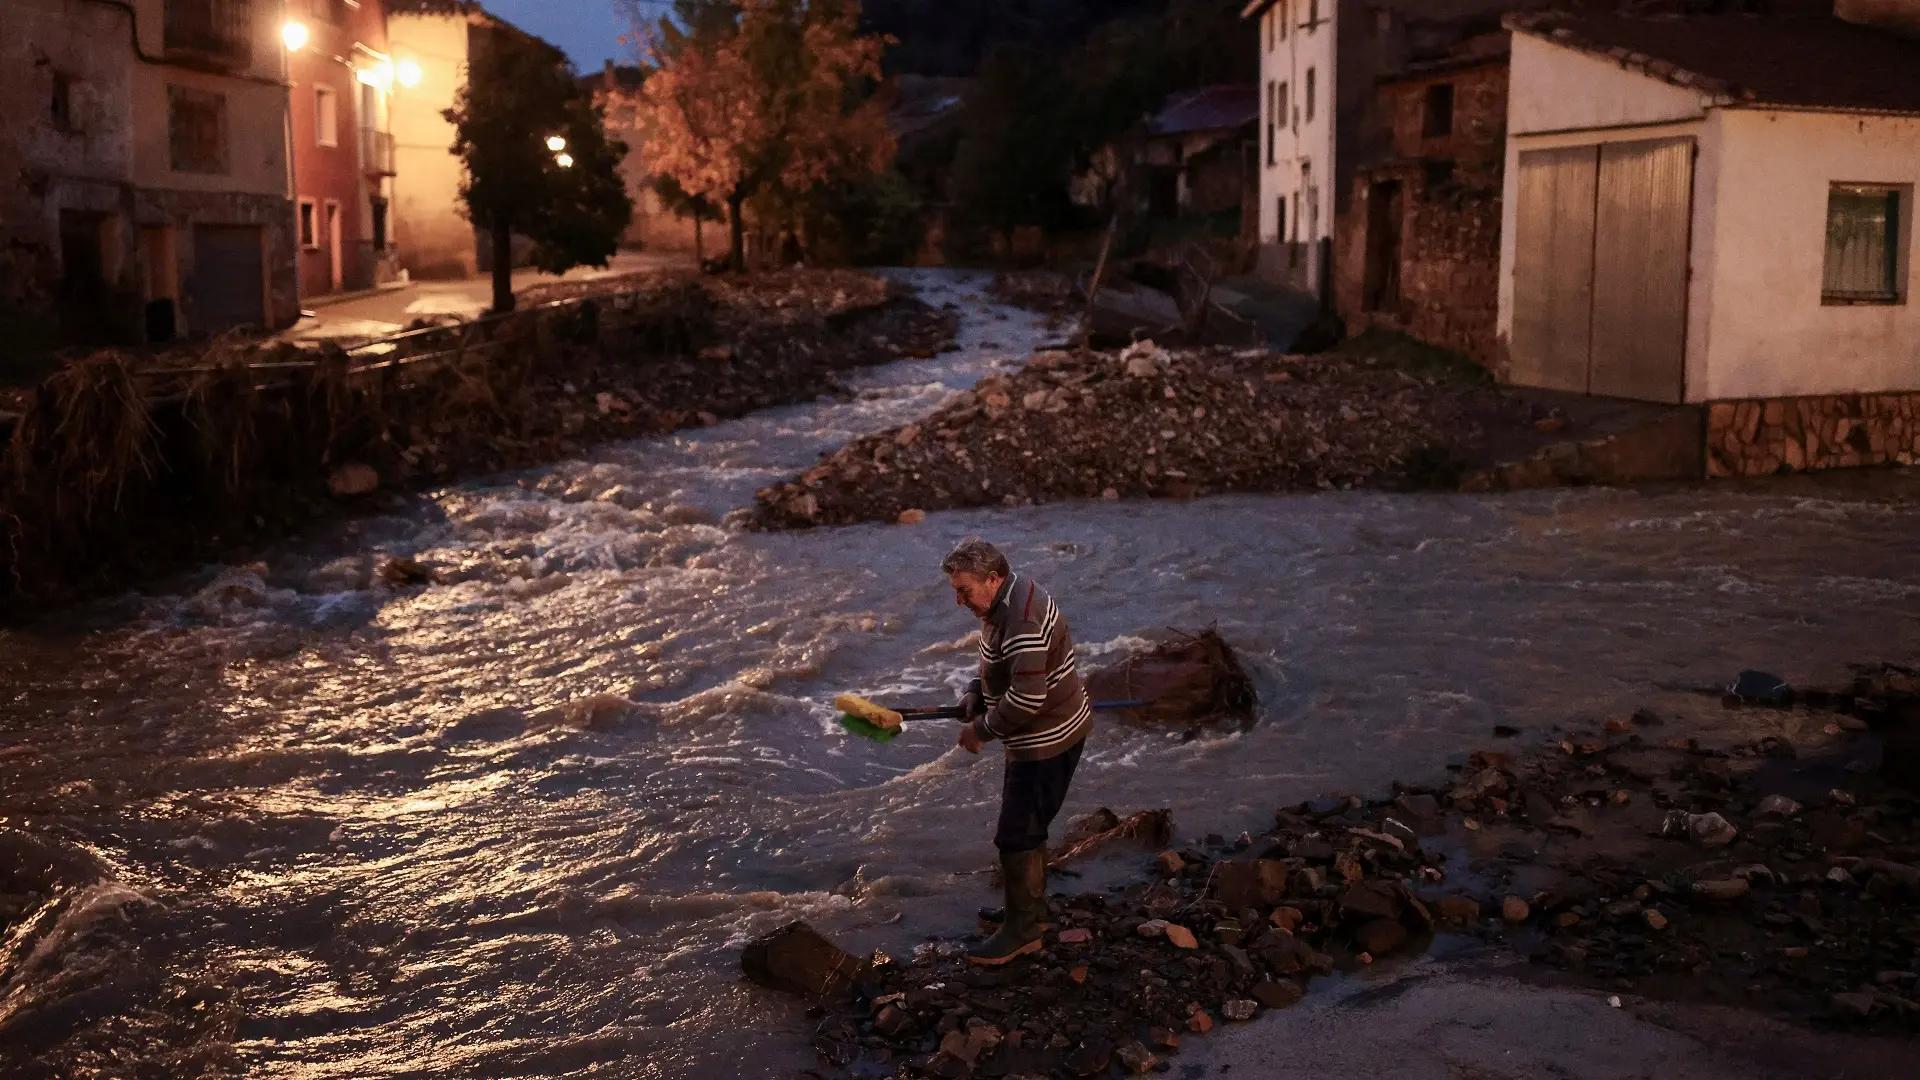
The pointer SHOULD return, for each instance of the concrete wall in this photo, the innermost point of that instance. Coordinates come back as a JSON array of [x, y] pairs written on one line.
[[1766, 331], [1560, 89], [431, 231]]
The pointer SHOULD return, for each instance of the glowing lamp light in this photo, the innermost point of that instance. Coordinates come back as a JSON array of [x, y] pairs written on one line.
[[556, 144], [565, 161], [295, 35], [408, 73], [379, 76]]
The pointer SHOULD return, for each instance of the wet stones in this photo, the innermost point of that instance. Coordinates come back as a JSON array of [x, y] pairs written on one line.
[[1277, 994]]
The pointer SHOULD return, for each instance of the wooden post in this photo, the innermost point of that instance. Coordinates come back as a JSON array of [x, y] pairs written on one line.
[[1093, 288]]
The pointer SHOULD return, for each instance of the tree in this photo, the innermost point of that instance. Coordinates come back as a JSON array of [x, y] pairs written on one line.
[[763, 99], [676, 201], [1017, 145], [566, 196]]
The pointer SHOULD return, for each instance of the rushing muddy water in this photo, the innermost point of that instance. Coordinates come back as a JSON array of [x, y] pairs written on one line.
[[419, 835]]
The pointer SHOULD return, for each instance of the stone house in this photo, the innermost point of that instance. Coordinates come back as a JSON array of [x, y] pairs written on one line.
[[1419, 251], [1719, 210], [342, 78], [1193, 158], [150, 196]]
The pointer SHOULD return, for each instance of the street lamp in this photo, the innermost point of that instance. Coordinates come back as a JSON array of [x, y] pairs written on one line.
[[295, 35], [408, 73], [565, 161], [556, 143]]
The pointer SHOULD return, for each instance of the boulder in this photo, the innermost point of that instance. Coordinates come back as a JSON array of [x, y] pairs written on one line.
[[1250, 883], [1277, 994], [796, 959], [1380, 937], [1187, 682]]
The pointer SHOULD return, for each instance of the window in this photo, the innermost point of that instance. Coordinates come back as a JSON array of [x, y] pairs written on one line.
[[1273, 135], [62, 103], [1284, 106], [197, 130], [1296, 217], [1281, 18], [1439, 111], [326, 116], [1313, 12], [333, 11], [220, 31], [309, 233], [1309, 95], [1280, 226], [1863, 244], [1438, 172]]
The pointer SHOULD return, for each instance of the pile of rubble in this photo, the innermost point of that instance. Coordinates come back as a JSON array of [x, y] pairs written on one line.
[[1660, 867], [1149, 422]]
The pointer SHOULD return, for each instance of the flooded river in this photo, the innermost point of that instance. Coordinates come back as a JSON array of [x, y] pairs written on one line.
[[419, 834]]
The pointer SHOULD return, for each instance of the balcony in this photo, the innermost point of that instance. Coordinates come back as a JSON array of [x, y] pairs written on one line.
[[215, 35], [376, 152]]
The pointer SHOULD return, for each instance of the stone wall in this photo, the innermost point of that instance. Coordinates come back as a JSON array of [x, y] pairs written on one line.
[[1760, 438], [1446, 274]]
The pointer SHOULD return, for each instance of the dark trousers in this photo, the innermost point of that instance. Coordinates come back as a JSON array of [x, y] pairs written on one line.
[[1030, 796]]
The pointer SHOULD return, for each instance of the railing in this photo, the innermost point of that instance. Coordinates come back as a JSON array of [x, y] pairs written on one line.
[[210, 33], [376, 151]]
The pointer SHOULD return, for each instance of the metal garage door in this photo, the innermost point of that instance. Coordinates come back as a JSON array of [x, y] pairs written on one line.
[[1645, 208], [1600, 270], [1553, 268], [226, 289]]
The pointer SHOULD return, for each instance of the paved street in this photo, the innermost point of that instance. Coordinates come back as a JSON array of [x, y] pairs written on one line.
[[388, 311]]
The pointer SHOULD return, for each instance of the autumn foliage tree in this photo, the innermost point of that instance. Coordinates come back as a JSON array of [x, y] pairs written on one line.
[[764, 100], [571, 201]]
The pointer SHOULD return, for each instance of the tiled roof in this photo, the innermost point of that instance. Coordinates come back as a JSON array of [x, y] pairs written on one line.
[[1815, 62], [1211, 108]]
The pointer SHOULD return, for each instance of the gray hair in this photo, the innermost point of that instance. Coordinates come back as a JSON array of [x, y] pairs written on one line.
[[977, 557]]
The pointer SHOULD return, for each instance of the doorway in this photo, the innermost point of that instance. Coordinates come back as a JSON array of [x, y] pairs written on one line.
[[1385, 214], [335, 271]]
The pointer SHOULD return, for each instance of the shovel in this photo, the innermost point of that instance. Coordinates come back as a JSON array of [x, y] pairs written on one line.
[[883, 725]]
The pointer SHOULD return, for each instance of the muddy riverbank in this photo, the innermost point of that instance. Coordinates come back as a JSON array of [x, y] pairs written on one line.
[[1665, 869], [521, 821], [1150, 422], [124, 467]]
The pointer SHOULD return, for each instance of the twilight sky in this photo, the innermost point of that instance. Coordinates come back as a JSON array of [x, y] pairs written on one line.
[[589, 30]]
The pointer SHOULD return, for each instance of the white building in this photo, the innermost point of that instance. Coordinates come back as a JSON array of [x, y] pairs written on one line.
[[1719, 209], [1320, 62], [1296, 137]]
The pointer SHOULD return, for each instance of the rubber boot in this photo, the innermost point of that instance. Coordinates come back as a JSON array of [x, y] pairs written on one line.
[[1023, 875]]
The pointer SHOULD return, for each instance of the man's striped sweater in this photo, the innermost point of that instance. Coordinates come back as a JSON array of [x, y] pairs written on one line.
[[1036, 704]]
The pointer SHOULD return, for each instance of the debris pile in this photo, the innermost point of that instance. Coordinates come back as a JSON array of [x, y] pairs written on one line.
[[1657, 866], [1186, 681], [125, 465], [1149, 422]]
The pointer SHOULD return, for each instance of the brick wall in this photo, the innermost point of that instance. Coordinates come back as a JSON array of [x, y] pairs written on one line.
[[1763, 437]]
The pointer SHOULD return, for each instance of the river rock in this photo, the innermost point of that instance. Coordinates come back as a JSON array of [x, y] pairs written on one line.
[[1135, 1058], [1180, 936], [1458, 909], [1368, 901], [353, 479], [1776, 807], [1277, 994], [1380, 937], [1514, 910], [1249, 883], [1169, 863], [1239, 1009], [796, 959], [1722, 891]]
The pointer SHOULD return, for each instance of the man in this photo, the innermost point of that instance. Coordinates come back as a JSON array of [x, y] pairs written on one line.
[[1030, 699]]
